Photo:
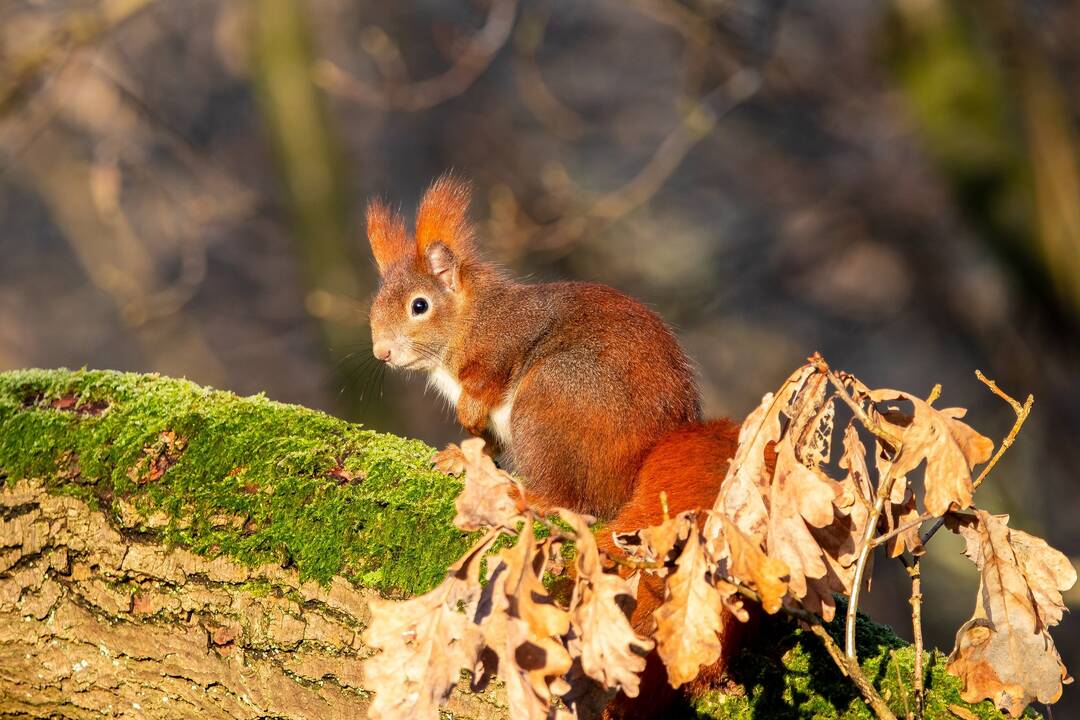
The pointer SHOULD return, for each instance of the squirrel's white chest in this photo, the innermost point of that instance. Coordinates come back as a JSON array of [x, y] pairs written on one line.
[[446, 384], [450, 388]]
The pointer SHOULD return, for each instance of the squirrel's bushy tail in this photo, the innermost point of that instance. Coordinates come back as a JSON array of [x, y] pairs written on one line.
[[689, 465]]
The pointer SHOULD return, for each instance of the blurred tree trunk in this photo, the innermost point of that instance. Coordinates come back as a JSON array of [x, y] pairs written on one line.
[[309, 157]]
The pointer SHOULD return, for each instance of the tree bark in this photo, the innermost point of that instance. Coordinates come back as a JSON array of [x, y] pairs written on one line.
[[95, 623]]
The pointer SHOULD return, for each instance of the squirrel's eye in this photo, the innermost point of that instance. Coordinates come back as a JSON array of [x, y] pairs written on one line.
[[419, 306]]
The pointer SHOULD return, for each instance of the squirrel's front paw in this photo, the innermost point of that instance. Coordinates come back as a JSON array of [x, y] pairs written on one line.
[[450, 460]]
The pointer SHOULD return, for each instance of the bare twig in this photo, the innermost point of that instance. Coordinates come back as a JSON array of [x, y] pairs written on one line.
[[881, 709], [423, 94], [886, 537], [860, 413], [916, 631], [1022, 412], [866, 548]]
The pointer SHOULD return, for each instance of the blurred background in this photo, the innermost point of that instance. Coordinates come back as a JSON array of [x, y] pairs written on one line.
[[894, 184]]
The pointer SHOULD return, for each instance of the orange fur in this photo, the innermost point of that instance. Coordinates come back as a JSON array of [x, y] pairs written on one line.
[[387, 234], [444, 217], [689, 465]]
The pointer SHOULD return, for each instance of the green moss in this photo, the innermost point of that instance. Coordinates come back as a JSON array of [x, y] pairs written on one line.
[[298, 486], [786, 673]]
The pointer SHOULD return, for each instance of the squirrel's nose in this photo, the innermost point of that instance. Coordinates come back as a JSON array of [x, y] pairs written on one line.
[[382, 350]]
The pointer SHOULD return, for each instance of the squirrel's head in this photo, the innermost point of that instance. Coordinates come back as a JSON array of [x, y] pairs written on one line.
[[425, 278]]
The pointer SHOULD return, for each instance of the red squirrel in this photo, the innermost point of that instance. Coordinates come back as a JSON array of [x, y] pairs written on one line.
[[584, 389]]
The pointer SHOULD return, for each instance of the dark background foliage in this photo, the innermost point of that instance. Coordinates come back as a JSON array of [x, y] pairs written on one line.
[[893, 184]]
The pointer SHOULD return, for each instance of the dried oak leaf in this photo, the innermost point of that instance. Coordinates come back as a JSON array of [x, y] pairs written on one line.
[[746, 485], [688, 619], [950, 447], [898, 515], [658, 543], [798, 497], [854, 497], [748, 563], [811, 420], [610, 651], [857, 491], [487, 498], [425, 642], [858, 496], [820, 592], [1004, 652], [523, 626]]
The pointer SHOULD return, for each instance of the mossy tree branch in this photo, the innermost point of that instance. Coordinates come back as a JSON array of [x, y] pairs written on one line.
[[168, 550]]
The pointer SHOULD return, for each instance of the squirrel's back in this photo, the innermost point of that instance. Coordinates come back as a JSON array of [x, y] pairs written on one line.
[[595, 391]]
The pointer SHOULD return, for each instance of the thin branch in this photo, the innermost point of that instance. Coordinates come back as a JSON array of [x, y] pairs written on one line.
[[1022, 412], [882, 539], [881, 709], [935, 393], [866, 548], [915, 574], [842, 391], [477, 56]]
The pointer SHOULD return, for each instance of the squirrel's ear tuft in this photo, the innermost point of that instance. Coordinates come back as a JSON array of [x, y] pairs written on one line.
[[444, 217], [387, 235]]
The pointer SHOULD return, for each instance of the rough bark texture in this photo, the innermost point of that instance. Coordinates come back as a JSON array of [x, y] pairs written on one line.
[[169, 551], [95, 623]]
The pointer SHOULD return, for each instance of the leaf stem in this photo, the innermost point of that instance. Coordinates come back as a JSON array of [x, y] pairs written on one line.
[[860, 413]]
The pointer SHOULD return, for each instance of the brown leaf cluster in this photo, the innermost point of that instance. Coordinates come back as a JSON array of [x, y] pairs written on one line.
[[950, 447], [548, 656], [789, 528]]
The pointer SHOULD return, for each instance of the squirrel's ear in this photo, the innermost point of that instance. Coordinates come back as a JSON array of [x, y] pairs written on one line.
[[444, 265], [443, 217], [387, 235]]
